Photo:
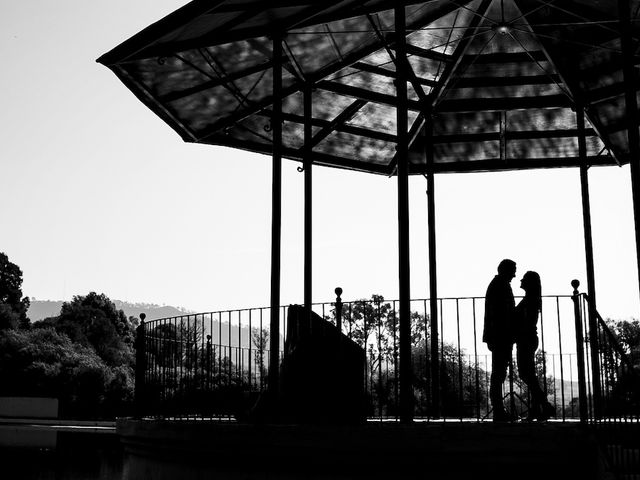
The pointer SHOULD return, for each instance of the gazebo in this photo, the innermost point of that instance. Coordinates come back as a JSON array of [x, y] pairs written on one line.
[[398, 88]]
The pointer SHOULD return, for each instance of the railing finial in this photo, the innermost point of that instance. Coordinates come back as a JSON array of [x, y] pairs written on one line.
[[338, 304], [575, 284], [142, 317]]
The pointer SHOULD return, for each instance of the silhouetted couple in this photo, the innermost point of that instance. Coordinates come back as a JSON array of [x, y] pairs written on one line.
[[506, 324]]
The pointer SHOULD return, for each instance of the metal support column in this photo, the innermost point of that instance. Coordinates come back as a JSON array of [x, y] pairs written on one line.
[[276, 217], [588, 248], [406, 390], [433, 279], [631, 114], [308, 197]]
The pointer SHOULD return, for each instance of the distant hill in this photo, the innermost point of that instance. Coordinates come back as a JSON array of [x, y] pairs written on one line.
[[221, 331], [41, 309]]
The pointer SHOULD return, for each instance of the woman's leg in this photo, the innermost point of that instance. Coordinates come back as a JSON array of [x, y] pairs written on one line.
[[527, 371]]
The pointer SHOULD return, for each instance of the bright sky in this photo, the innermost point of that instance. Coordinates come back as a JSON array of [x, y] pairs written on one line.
[[99, 194]]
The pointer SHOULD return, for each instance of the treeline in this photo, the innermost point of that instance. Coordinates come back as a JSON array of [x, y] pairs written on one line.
[[84, 357]]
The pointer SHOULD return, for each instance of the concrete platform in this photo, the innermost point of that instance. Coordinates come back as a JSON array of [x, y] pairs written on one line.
[[228, 450]]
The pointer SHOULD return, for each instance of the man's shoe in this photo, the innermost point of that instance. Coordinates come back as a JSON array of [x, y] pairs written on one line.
[[533, 414]]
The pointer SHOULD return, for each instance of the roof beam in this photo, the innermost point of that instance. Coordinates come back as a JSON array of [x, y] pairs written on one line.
[[488, 58], [130, 48], [216, 37], [514, 81], [364, 94], [426, 53], [607, 92], [178, 94], [458, 54], [412, 77], [351, 129], [511, 135], [432, 15], [577, 93], [356, 8], [242, 114], [235, 7], [439, 11], [385, 72], [344, 116], [505, 103], [494, 165]]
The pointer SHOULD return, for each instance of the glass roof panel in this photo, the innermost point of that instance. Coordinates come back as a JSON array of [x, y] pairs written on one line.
[[542, 148], [356, 147], [221, 74], [466, 152]]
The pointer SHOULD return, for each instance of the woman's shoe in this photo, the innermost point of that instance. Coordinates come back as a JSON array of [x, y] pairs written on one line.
[[547, 410], [501, 416]]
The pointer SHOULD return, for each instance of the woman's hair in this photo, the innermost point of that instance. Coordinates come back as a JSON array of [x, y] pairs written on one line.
[[533, 287]]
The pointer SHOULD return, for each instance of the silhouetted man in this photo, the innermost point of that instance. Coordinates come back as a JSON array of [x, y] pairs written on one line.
[[498, 332]]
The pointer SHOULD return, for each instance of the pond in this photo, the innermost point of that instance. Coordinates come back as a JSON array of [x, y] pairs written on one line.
[[76, 456]]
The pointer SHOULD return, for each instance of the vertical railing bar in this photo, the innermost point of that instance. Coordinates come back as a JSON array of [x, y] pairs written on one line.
[[561, 358], [578, 311], [176, 360], [587, 346], [555, 388], [486, 380], [230, 371], [604, 375], [427, 372], [219, 349], [261, 364], [460, 389], [571, 386], [379, 325], [210, 355], [184, 360], [250, 353], [442, 366], [544, 354], [202, 347], [475, 359], [194, 385], [239, 364], [396, 317]]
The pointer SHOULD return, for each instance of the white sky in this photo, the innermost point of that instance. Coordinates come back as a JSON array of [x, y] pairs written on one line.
[[99, 194]]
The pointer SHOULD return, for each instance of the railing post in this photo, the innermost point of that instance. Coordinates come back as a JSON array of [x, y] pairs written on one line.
[[209, 363], [338, 291], [141, 367], [582, 382]]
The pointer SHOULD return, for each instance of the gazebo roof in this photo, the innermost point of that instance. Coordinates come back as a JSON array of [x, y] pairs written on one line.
[[499, 79]]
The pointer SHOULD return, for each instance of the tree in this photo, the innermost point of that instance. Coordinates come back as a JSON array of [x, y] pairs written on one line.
[[621, 373], [13, 306], [43, 362], [375, 326], [628, 334], [93, 320], [260, 339]]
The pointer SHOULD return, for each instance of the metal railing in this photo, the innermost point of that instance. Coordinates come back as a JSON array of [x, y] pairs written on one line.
[[215, 364], [202, 365], [611, 379]]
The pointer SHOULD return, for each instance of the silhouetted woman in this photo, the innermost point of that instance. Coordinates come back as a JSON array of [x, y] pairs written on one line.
[[526, 320]]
